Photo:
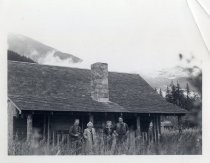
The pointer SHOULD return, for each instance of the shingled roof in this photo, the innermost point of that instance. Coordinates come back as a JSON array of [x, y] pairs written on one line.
[[52, 88]]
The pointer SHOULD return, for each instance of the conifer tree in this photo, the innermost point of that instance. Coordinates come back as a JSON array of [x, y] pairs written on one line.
[[169, 96], [188, 90], [173, 94], [187, 97], [155, 89], [160, 92], [177, 94]]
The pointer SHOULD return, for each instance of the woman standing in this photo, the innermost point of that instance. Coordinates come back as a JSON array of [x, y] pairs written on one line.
[[108, 135], [90, 138]]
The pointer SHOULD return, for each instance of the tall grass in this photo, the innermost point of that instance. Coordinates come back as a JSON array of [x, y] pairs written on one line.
[[171, 142]]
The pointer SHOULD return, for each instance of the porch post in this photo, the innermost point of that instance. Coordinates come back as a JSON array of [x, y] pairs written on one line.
[[104, 120], [44, 128], [91, 118], [29, 127], [159, 124], [179, 124], [105, 114], [157, 127], [53, 141], [153, 128], [138, 125], [48, 130]]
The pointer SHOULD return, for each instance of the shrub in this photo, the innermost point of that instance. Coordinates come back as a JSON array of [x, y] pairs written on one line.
[[171, 142]]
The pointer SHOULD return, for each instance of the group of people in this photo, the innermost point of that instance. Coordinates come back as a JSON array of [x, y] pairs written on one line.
[[88, 138]]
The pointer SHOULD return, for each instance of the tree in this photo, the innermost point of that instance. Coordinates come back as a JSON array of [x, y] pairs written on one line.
[[187, 97], [187, 90], [177, 94], [193, 104], [169, 95], [183, 98], [160, 92], [155, 89], [167, 92], [173, 94], [13, 56]]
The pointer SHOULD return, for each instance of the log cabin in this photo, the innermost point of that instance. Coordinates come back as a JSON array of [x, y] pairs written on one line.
[[51, 97]]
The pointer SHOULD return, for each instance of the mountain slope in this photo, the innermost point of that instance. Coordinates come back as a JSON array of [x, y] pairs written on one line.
[[39, 52], [12, 56], [166, 76]]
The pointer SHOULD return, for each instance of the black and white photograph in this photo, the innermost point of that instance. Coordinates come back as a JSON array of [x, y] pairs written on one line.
[[105, 77]]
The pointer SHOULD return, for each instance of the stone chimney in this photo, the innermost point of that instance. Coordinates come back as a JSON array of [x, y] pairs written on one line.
[[99, 82]]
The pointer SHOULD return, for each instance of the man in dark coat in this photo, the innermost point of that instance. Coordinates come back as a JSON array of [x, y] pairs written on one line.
[[76, 136], [121, 132]]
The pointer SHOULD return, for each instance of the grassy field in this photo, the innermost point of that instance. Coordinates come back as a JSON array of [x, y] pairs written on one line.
[[189, 142]]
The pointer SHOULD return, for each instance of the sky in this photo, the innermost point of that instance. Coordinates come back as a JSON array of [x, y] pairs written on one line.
[[142, 36]]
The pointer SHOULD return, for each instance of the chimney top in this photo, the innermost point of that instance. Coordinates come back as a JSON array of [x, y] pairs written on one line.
[[99, 82], [99, 64]]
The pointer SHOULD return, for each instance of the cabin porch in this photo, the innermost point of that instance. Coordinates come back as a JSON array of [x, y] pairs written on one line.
[[54, 126]]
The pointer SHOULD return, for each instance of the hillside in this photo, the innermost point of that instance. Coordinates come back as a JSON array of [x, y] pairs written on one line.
[[39, 52], [12, 56]]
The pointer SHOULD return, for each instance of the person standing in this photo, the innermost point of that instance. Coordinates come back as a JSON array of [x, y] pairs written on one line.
[[90, 138], [75, 136], [108, 135], [121, 132]]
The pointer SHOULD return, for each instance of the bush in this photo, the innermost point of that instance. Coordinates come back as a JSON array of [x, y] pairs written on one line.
[[171, 142]]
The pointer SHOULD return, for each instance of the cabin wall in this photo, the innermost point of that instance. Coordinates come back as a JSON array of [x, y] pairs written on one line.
[[148, 125], [16, 126], [20, 129], [58, 125], [12, 113], [54, 126], [62, 122], [65, 121]]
